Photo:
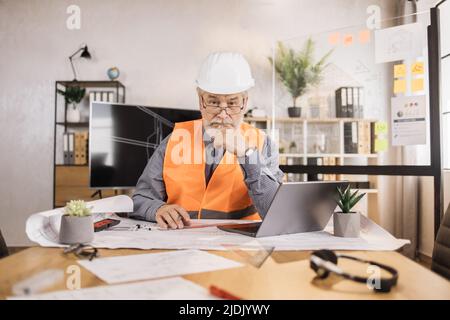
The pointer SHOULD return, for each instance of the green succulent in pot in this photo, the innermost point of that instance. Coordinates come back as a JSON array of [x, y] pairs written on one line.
[[347, 223], [77, 208], [77, 223]]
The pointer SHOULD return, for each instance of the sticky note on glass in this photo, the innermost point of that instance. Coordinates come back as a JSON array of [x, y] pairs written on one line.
[[348, 39], [381, 145], [381, 127], [417, 68], [400, 86], [399, 70], [417, 85], [364, 36], [334, 38]]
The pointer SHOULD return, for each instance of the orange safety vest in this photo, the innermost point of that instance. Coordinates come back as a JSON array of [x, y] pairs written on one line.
[[226, 196]]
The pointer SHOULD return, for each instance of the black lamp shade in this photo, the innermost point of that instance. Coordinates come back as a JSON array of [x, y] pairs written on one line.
[[85, 53]]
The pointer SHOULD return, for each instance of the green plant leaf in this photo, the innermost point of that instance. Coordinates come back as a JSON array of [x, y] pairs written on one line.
[[340, 193], [353, 202], [353, 195]]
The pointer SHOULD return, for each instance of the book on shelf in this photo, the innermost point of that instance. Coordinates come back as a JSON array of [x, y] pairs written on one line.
[[81, 148], [351, 137], [66, 158], [364, 138], [101, 96], [349, 102], [75, 148], [70, 148], [358, 137]]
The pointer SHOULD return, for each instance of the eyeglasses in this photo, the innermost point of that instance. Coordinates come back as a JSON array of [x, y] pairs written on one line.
[[212, 105], [82, 251]]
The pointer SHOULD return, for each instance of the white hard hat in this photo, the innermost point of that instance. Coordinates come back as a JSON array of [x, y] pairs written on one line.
[[225, 73]]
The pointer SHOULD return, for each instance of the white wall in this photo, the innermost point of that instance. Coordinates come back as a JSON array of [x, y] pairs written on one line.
[[158, 46]]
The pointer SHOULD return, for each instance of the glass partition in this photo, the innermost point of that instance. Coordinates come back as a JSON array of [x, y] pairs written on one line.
[[354, 96], [360, 95]]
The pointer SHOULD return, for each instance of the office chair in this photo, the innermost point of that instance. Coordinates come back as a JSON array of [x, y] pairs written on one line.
[[3, 248], [441, 252]]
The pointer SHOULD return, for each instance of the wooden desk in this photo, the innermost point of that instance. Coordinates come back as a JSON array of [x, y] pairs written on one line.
[[284, 275]]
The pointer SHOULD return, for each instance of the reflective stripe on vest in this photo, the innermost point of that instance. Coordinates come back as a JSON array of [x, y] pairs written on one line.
[[226, 196]]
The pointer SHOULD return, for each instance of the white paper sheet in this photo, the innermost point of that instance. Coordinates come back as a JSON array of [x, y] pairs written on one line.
[[156, 265], [399, 43], [43, 229], [164, 289]]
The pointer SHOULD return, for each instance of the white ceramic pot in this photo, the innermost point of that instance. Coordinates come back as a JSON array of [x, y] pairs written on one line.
[[73, 113], [76, 229], [346, 225]]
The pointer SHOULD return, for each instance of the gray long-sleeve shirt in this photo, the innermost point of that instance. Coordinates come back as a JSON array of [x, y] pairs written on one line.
[[262, 177]]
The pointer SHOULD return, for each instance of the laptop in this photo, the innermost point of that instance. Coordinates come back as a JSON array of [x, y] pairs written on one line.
[[296, 207]]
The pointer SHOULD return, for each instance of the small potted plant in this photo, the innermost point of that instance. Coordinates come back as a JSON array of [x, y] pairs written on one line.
[[73, 96], [297, 71], [292, 147], [77, 224], [347, 223]]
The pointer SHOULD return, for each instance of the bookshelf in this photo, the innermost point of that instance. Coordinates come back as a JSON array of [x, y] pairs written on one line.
[[71, 181]]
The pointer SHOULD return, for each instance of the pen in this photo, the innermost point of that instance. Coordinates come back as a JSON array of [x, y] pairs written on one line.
[[220, 293]]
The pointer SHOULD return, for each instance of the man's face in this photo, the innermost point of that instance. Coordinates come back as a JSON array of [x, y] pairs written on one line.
[[222, 111]]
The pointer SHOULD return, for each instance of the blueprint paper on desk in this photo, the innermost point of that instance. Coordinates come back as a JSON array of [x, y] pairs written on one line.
[[43, 228], [164, 289]]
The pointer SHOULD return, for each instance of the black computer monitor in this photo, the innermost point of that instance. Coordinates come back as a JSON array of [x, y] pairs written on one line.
[[123, 137]]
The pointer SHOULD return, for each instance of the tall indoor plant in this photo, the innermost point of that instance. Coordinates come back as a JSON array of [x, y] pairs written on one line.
[[297, 71], [73, 96]]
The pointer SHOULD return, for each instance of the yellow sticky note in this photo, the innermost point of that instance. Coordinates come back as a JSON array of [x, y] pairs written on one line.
[[417, 68], [399, 71], [417, 85], [381, 127], [381, 145], [400, 86]]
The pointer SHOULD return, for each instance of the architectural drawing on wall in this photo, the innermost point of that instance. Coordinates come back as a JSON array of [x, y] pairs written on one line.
[[399, 43]]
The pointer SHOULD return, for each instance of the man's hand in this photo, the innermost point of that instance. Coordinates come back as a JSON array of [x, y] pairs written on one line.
[[231, 140], [172, 216]]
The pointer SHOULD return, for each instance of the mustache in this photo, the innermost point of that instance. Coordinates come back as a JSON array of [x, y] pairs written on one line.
[[212, 124]]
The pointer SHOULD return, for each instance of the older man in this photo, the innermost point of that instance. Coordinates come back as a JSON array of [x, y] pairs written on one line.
[[217, 167]]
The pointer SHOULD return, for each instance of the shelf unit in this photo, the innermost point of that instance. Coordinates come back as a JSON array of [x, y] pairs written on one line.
[[266, 123], [71, 181], [304, 139]]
